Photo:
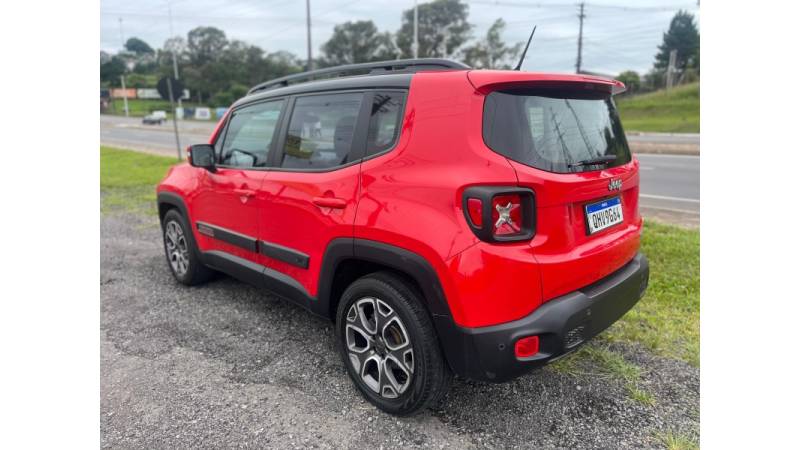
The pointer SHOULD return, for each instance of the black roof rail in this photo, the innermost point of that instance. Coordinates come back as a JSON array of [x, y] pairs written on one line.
[[396, 65]]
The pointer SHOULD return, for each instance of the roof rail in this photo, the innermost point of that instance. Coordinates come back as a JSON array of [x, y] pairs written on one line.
[[397, 65]]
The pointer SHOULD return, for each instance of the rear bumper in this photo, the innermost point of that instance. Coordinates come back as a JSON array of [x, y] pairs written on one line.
[[562, 324]]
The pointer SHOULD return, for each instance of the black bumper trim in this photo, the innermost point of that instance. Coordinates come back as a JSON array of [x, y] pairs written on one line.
[[562, 324]]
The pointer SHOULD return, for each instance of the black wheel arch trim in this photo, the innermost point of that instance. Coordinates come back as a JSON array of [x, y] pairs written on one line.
[[172, 199]]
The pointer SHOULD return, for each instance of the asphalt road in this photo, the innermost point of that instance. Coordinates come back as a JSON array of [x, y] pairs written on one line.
[[670, 184], [225, 365]]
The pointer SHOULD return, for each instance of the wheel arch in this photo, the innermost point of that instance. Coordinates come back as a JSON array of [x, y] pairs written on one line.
[[346, 260], [170, 200]]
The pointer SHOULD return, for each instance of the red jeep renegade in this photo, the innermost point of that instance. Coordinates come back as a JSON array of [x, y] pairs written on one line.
[[449, 221]]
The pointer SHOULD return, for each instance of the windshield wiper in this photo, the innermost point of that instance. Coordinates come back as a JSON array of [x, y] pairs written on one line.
[[604, 160]]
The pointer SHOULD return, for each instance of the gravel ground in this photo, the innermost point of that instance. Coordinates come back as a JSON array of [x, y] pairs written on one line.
[[226, 365]]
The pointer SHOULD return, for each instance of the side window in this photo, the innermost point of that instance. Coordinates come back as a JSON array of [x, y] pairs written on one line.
[[321, 131], [384, 121], [249, 135]]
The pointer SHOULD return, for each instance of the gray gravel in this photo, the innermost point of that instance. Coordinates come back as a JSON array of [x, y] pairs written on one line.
[[226, 365]]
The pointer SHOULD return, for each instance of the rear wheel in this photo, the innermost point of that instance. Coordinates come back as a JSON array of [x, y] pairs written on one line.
[[389, 346], [182, 255]]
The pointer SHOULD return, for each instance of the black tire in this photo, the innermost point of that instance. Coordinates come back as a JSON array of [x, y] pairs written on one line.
[[430, 377], [192, 271]]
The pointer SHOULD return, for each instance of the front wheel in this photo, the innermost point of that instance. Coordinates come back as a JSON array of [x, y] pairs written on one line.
[[389, 345], [182, 255]]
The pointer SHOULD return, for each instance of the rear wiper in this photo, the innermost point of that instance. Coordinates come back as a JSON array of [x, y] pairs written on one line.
[[604, 160]]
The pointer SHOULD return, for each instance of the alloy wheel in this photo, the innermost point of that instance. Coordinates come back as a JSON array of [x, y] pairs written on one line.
[[177, 248], [379, 347]]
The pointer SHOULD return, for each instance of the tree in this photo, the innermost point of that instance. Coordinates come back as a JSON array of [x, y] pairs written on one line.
[[205, 44], [138, 47], [631, 80], [357, 42], [491, 52], [443, 28], [112, 70], [683, 37]]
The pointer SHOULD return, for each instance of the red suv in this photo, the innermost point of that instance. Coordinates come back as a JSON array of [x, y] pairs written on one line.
[[449, 221]]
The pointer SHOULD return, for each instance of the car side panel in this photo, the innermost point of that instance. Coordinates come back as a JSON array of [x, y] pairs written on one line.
[[411, 196]]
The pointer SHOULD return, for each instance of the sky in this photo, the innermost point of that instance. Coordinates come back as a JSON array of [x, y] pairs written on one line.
[[618, 34]]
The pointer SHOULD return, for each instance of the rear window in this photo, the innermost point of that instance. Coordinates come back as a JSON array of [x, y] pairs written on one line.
[[555, 130]]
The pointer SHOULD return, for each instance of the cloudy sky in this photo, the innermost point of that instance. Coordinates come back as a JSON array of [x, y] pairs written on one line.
[[618, 34]]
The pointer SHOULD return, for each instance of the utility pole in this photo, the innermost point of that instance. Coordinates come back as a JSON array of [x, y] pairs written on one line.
[[174, 116], [124, 89], [174, 57], [578, 62], [673, 55], [308, 34], [415, 45]]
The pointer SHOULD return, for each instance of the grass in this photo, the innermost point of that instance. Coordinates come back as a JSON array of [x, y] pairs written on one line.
[[141, 107], [608, 363], [667, 319], [673, 441], [674, 111], [128, 180]]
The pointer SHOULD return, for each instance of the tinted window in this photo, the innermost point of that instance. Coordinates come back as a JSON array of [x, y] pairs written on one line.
[[249, 135], [553, 130], [321, 131], [384, 121]]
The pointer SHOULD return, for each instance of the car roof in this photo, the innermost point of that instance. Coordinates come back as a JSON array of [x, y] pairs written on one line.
[[368, 81]]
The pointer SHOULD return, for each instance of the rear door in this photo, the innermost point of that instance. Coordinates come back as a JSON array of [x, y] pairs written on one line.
[[226, 206], [569, 147], [309, 196]]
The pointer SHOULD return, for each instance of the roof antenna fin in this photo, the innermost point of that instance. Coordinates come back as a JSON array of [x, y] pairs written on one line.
[[522, 58]]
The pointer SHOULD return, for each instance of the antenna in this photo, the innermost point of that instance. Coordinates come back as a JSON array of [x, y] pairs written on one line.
[[522, 58]]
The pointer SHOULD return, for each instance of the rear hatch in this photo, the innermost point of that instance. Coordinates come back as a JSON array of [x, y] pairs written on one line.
[[565, 141]]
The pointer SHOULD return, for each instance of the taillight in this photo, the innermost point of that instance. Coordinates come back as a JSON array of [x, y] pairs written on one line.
[[475, 211], [506, 215], [500, 214], [526, 347]]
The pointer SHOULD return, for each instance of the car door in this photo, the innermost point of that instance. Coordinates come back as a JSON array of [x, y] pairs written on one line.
[[310, 193], [225, 209]]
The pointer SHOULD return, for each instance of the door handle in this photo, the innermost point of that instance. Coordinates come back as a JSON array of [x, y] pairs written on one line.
[[330, 202], [244, 192]]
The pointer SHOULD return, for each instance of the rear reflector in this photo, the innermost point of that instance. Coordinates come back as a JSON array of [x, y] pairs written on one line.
[[527, 346]]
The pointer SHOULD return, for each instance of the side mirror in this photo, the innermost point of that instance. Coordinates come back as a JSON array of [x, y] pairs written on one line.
[[202, 155]]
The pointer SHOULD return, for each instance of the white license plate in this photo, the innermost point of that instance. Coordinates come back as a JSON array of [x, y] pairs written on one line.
[[602, 215]]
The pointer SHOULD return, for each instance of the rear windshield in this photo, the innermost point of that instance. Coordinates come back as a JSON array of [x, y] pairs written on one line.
[[555, 130]]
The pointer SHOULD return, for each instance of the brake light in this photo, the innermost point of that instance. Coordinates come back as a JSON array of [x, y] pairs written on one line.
[[527, 346], [500, 213], [506, 215]]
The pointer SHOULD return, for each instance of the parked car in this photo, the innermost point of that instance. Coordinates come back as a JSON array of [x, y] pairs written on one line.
[[449, 221], [156, 117]]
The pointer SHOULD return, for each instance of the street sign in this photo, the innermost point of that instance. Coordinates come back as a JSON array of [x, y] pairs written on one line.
[[163, 89]]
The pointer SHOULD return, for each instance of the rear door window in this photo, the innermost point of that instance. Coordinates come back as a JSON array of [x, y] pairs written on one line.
[[321, 131], [556, 131], [384, 121]]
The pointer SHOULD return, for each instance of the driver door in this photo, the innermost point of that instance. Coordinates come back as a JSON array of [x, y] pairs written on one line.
[[226, 207]]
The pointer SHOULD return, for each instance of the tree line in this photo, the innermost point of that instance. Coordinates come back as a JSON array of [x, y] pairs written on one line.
[[218, 70]]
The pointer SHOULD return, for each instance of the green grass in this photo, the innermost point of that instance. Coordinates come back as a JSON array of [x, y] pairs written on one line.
[[595, 360], [667, 319], [141, 107], [674, 111], [673, 441], [128, 180]]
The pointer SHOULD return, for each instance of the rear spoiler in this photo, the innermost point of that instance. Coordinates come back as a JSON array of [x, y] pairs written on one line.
[[486, 81]]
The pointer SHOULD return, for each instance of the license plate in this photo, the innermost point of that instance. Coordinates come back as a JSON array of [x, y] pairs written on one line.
[[602, 215]]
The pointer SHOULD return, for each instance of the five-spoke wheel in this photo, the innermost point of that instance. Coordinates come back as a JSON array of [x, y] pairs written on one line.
[[389, 346], [379, 347], [177, 248]]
